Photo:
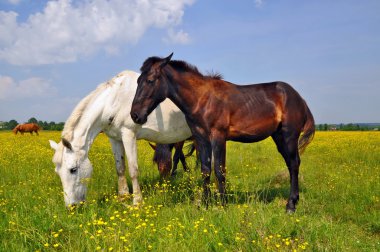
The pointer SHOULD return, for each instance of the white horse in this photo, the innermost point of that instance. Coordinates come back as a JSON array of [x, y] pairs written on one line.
[[107, 109]]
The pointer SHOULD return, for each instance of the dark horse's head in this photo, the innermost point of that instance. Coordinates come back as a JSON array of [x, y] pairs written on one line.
[[163, 158], [151, 90]]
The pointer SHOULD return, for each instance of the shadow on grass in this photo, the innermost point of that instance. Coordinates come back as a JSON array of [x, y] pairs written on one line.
[[185, 188], [265, 196]]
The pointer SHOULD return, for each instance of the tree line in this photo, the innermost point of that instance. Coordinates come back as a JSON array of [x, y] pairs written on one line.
[[321, 127], [43, 124], [348, 127]]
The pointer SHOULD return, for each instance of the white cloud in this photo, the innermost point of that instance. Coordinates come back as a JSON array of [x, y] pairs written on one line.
[[179, 37], [32, 87], [67, 30]]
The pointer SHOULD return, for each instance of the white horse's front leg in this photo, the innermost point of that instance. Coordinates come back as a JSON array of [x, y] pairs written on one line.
[[119, 155], [130, 145]]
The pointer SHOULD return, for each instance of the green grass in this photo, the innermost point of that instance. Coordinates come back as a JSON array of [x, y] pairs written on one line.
[[339, 207]]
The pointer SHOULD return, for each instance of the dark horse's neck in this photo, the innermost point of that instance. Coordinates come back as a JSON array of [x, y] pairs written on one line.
[[186, 92]]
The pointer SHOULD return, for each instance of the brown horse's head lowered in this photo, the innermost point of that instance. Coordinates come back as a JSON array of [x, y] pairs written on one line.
[[217, 111]]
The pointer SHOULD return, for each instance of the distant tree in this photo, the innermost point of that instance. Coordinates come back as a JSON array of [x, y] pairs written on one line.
[[364, 128], [45, 125], [32, 120], [51, 125], [325, 126], [350, 126], [11, 124], [41, 124], [59, 126]]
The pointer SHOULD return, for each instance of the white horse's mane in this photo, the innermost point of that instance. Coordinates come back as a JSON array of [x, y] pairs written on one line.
[[78, 111]]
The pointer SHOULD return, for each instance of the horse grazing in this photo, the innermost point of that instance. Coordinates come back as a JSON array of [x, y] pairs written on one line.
[[217, 111], [107, 109], [27, 127], [163, 158]]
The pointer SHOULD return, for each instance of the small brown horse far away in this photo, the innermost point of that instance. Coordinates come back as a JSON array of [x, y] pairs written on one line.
[[217, 111], [27, 127]]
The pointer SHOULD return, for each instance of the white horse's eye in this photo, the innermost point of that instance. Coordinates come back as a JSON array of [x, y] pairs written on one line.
[[73, 170]]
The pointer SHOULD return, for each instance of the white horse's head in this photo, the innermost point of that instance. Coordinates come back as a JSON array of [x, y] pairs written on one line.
[[74, 168]]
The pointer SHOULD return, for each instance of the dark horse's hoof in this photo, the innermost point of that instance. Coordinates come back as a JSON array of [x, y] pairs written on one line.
[[290, 208], [290, 211]]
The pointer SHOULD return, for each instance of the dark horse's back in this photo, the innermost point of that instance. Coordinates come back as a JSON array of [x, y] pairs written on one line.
[[271, 107]]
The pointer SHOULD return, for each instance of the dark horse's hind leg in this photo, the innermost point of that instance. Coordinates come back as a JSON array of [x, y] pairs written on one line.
[[178, 155], [205, 155], [183, 161], [219, 152], [287, 145]]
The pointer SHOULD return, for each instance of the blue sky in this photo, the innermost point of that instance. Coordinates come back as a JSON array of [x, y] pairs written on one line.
[[53, 53]]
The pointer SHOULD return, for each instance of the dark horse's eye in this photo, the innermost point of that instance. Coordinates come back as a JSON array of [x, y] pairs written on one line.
[[150, 81], [73, 170]]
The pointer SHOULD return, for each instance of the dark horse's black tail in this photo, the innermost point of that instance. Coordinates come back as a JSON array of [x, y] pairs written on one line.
[[308, 131]]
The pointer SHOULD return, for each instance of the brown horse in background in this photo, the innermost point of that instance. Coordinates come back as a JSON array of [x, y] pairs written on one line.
[[217, 111], [163, 158], [27, 127]]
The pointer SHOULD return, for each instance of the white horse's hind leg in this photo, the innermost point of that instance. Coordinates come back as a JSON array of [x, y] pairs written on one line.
[[119, 155], [130, 145]]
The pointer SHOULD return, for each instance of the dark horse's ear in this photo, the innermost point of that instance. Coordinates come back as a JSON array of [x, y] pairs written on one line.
[[153, 146], [67, 144], [166, 60]]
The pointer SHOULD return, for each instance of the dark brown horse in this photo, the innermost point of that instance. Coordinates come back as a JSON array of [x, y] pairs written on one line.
[[27, 127], [217, 111], [163, 158]]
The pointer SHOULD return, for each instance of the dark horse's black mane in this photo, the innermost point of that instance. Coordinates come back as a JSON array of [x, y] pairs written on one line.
[[181, 66]]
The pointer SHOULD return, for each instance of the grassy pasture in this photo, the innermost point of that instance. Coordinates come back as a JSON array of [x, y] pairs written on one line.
[[339, 208]]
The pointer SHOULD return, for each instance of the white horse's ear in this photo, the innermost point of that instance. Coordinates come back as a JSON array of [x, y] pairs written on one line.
[[153, 146], [53, 145], [67, 144]]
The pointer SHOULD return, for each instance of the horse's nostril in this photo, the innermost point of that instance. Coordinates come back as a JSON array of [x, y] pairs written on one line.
[[134, 116]]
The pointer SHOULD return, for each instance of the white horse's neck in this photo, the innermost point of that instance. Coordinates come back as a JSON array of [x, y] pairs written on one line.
[[84, 137], [92, 115], [89, 126]]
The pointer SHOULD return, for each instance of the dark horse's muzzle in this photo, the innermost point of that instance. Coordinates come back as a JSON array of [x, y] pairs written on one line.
[[139, 119]]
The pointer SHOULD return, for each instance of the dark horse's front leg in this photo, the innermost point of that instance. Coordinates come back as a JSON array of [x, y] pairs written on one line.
[[219, 151]]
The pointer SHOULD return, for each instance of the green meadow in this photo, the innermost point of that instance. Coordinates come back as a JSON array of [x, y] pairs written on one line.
[[339, 207]]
